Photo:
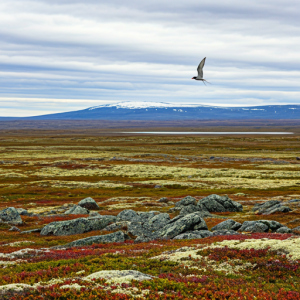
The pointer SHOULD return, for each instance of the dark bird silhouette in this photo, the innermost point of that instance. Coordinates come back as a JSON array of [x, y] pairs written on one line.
[[200, 71]]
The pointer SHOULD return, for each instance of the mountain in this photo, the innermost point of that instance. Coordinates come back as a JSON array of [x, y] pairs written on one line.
[[167, 111]]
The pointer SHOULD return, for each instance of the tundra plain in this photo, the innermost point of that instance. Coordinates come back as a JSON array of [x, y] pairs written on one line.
[[44, 171]]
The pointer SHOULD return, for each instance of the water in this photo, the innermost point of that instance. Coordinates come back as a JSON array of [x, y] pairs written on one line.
[[212, 132]]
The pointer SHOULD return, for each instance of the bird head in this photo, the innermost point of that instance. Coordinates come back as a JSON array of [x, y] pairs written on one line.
[[194, 77]]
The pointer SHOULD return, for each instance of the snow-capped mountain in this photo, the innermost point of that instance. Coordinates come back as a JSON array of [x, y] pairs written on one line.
[[173, 111]]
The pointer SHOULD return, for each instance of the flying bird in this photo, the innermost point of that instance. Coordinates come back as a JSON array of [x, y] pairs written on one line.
[[200, 71]]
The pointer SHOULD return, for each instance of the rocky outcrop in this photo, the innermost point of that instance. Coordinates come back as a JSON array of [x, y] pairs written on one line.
[[188, 200], [200, 234], [216, 203], [77, 226], [175, 227], [270, 207], [11, 216], [115, 237], [224, 232], [89, 203], [126, 215], [227, 225], [77, 210], [260, 226]]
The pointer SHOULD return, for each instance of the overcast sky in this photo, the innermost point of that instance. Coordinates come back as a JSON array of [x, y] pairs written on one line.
[[64, 55]]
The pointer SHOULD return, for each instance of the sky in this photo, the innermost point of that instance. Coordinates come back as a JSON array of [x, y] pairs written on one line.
[[65, 55]]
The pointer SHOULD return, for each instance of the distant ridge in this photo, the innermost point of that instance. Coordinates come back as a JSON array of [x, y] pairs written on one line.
[[160, 111]]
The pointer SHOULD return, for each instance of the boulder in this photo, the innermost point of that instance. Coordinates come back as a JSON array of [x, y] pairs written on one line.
[[126, 215], [163, 200], [117, 226], [273, 225], [89, 203], [23, 212], [186, 201], [284, 229], [76, 226], [14, 228], [192, 221], [254, 226], [216, 203], [115, 237], [227, 225], [270, 207], [186, 210], [296, 230], [197, 234], [77, 210], [11, 216]]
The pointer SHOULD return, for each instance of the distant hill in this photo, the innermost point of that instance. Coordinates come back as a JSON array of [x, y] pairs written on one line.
[[168, 112]]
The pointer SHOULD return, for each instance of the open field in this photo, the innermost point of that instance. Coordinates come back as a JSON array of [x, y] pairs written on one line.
[[44, 170]]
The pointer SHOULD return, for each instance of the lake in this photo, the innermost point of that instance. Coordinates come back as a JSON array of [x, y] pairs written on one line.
[[212, 132]]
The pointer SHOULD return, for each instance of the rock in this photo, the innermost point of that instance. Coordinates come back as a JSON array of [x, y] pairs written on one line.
[[32, 231], [284, 229], [143, 239], [124, 276], [89, 203], [189, 209], [186, 201], [163, 200], [115, 237], [296, 230], [117, 225], [270, 207], [126, 215], [227, 225], [77, 210], [157, 222], [253, 226], [188, 236], [11, 216], [192, 221], [174, 209], [23, 212], [273, 225], [224, 232], [216, 203], [14, 228], [77, 226], [204, 233], [294, 200], [95, 214]]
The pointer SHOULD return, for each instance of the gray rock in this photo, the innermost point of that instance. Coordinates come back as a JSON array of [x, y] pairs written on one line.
[[296, 230], [188, 236], [77, 210], [270, 207], [254, 226], [95, 214], [273, 225], [76, 226], [143, 239], [216, 203], [117, 225], [163, 200], [294, 200], [227, 225], [174, 209], [284, 229], [277, 209], [32, 231], [186, 201], [157, 222], [89, 203], [23, 212], [126, 215], [186, 210], [260, 207], [186, 223], [14, 228], [225, 232], [115, 237], [204, 233], [11, 216]]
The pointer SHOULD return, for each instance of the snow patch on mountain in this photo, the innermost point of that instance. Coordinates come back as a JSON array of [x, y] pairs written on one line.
[[141, 104]]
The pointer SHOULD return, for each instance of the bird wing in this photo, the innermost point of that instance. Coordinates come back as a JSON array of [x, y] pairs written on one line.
[[200, 68]]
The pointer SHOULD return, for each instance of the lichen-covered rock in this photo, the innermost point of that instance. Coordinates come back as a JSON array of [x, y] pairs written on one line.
[[203, 233], [117, 225], [188, 236], [186, 201], [273, 225], [23, 212], [284, 229], [188, 209], [116, 276], [89, 203], [77, 210], [216, 203], [11, 216], [115, 237], [76, 226], [296, 230], [227, 225], [192, 221], [126, 215]]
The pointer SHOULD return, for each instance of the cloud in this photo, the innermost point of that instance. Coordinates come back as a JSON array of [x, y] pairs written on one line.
[[134, 50]]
